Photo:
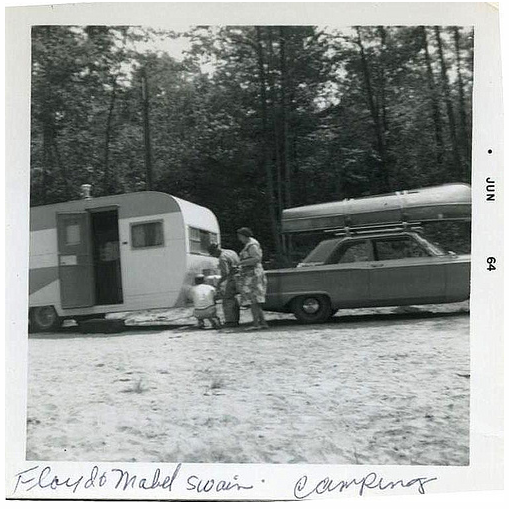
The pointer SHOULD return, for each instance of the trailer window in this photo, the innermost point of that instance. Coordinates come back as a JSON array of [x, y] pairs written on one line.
[[147, 234], [200, 240], [72, 234]]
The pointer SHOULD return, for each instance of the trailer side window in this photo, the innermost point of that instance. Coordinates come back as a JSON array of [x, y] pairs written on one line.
[[200, 240], [147, 234]]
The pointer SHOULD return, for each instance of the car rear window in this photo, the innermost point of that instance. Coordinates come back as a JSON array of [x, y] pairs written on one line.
[[352, 252], [321, 252], [394, 249]]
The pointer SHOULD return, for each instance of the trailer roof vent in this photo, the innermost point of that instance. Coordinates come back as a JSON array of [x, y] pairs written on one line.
[[86, 191]]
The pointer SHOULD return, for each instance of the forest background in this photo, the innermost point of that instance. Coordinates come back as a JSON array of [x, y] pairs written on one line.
[[250, 120]]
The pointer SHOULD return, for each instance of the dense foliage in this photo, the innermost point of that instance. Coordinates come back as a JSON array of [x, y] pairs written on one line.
[[253, 119]]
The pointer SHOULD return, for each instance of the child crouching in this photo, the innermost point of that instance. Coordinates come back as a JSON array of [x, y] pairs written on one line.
[[204, 301]]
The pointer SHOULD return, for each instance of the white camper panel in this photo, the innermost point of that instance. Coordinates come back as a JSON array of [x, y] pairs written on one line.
[[156, 272], [199, 222], [44, 259]]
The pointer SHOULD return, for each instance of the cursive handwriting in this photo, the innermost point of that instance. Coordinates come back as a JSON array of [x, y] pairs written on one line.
[[126, 480], [121, 479], [194, 483], [303, 488], [37, 477], [44, 478]]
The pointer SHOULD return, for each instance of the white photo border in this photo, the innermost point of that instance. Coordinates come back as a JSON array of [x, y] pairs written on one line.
[[271, 482]]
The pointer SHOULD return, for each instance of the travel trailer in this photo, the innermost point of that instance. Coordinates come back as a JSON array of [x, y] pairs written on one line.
[[115, 253]]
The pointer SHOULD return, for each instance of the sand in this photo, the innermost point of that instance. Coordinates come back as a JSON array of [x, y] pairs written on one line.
[[388, 386]]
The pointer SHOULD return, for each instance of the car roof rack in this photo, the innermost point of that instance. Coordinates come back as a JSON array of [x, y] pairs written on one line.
[[348, 231]]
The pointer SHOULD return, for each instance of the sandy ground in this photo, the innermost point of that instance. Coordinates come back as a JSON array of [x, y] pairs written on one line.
[[386, 386]]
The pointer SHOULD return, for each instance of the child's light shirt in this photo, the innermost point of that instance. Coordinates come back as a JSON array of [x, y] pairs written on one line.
[[203, 296]]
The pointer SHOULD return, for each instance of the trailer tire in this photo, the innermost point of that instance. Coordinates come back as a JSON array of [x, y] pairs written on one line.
[[312, 308], [44, 319]]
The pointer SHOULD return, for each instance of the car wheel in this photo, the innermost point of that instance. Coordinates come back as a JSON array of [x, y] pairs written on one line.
[[312, 308], [44, 319]]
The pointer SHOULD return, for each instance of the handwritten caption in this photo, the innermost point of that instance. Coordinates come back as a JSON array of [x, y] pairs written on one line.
[[43, 478]]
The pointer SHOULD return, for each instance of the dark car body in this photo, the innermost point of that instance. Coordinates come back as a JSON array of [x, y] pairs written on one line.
[[368, 270]]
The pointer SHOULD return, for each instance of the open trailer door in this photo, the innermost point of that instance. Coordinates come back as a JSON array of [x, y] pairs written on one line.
[[75, 260]]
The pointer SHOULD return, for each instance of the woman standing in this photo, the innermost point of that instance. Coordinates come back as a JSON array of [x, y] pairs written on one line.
[[253, 282]]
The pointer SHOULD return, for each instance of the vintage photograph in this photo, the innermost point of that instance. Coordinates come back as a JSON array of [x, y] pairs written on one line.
[[250, 244], [254, 253]]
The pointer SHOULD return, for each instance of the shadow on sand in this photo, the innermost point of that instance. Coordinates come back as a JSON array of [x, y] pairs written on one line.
[[351, 321], [368, 319]]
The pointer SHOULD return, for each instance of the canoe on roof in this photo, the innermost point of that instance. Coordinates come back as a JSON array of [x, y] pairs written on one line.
[[446, 202]]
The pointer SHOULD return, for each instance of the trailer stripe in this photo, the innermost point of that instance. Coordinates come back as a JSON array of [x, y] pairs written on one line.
[[39, 278]]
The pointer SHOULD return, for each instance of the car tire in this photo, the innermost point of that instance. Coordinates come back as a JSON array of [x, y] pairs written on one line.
[[44, 319], [312, 308]]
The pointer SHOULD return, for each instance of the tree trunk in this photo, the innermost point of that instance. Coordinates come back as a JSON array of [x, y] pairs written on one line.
[[276, 127], [284, 117], [465, 133], [383, 37], [62, 169], [375, 116], [383, 105], [146, 130], [108, 185], [435, 102], [266, 142], [448, 102], [46, 159], [51, 155]]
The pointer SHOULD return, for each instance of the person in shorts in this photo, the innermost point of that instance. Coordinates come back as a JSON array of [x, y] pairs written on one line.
[[229, 269], [203, 296]]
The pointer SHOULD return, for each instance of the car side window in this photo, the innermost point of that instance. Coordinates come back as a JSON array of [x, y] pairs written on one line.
[[394, 249], [351, 252]]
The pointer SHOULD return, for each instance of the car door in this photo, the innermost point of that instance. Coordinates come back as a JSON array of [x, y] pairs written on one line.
[[346, 273], [404, 272]]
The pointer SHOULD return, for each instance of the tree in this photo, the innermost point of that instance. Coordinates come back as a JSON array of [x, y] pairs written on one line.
[[465, 130], [449, 107], [51, 74], [253, 119], [266, 144], [435, 101]]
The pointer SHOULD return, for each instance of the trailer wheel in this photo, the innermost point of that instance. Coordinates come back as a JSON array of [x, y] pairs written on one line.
[[312, 308], [44, 319]]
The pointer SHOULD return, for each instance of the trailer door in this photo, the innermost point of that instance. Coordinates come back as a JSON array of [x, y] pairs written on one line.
[[75, 260]]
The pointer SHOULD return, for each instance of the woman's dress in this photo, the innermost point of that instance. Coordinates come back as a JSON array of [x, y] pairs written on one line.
[[253, 282]]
